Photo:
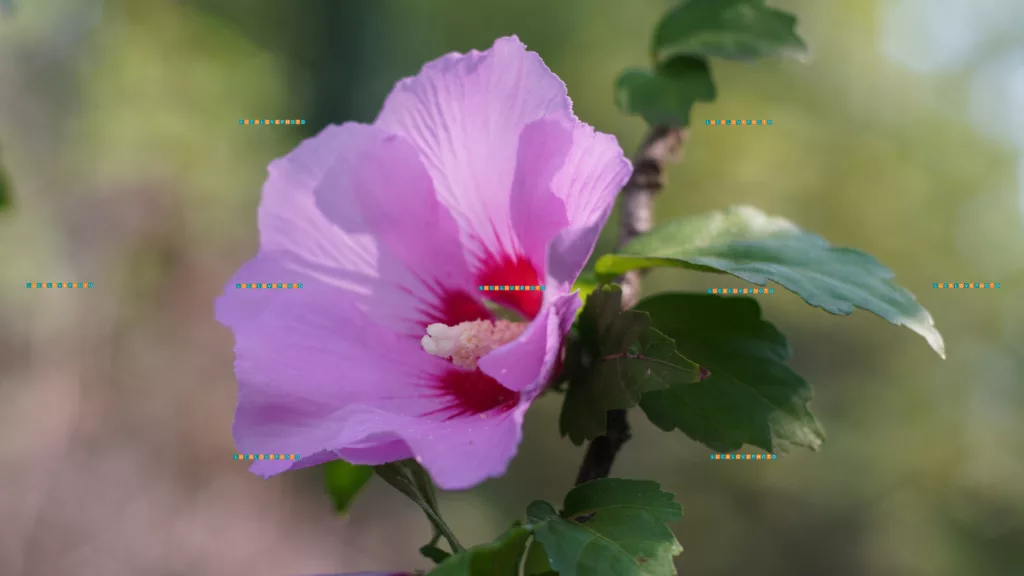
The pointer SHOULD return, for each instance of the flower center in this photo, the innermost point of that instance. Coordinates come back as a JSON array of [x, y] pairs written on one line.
[[517, 271], [467, 342]]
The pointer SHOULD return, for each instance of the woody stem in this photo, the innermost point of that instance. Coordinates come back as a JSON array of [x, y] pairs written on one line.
[[662, 146]]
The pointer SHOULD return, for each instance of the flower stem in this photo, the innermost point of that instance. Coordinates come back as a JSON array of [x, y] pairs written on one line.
[[443, 529], [597, 462], [411, 479]]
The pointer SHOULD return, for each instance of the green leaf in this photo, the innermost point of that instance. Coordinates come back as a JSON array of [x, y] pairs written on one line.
[[751, 396], [615, 359], [499, 558], [665, 96], [730, 29], [609, 527], [745, 242], [536, 562], [343, 481], [411, 479]]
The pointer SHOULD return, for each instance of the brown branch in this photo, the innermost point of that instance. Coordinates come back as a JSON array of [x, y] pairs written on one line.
[[663, 146]]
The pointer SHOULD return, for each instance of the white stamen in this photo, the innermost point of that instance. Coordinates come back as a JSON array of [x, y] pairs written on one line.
[[467, 342], [442, 340]]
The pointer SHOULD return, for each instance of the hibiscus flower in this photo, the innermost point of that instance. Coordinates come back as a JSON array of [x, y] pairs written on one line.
[[476, 173]]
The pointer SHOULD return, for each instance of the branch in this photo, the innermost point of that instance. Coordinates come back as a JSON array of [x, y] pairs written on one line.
[[597, 462], [663, 146]]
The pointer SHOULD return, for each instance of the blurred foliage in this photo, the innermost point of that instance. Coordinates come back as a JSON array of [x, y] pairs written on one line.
[[666, 95], [729, 29], [686, 38]]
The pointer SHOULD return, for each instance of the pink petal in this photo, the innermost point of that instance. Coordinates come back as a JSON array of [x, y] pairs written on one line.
[[407, 277], [312, 356], [383, 189], [465, 452], [458, 454], [527, 363], [567, 179], [317, 377], [292, 226], [465, 114], [239, 306]]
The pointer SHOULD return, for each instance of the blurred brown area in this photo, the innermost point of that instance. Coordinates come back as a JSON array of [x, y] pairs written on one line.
[[119, 128]]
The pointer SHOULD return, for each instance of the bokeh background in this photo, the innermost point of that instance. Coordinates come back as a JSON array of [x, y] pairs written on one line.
[[903, 136]]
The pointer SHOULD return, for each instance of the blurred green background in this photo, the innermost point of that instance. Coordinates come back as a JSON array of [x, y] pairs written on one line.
[[903, 136]]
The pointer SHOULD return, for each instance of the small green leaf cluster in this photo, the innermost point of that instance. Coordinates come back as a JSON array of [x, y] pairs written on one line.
[[742, 391], [606, 527], [688, 36], [746, 393]]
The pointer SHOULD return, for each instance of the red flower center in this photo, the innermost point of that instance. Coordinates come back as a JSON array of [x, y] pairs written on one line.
[[512, 271], [467, 392], [457, 307], [471, 392]]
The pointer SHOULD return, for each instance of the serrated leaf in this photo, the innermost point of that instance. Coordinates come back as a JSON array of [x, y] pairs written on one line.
[[615, 358], [499, 558], [730, 29], [610, 527], [751, 396], [344, 481], [747, 243], [665, 96]]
